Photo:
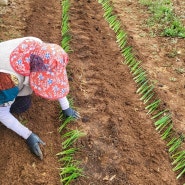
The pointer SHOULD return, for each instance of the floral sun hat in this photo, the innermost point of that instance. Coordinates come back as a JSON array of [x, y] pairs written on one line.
[[45, 64]]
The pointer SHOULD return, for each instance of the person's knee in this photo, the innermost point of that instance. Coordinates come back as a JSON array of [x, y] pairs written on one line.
[[21, 104]]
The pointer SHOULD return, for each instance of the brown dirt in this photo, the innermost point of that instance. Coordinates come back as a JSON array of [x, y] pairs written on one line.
[[121, 146]]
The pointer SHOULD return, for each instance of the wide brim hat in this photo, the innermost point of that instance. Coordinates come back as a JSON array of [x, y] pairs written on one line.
[[45, 64]]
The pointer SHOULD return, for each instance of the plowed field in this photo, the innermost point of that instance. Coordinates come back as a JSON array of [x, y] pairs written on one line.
[[121, 146]]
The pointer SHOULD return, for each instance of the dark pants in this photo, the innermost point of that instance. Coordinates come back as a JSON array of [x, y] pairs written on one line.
[[21, 104]]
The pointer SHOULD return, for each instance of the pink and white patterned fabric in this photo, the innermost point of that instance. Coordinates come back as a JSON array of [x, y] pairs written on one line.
[[45, 64]]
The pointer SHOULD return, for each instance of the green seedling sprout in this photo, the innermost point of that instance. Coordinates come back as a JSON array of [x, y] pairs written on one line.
[[71, 136], [116, 26], [138, 71], [66, 156], [65, 41], [127, 51], [133, 62], [143, 86], [108, 12], [167, 132], [114, 23], [140, 78], [163, 122], [179, 165], [180, 162], [133, 68], [153, 106], [70, 173], [65, 6], [65, 26], [147, 94], [180, 174], [70, 151], [148, 98], [66, 121], [129, 58], [66, 160], [112, 19], [179, 156], [121, 39], [175, 143], [159, 114], [65, 29]]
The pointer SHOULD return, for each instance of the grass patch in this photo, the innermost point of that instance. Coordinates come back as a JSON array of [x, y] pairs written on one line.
[[163, 18]]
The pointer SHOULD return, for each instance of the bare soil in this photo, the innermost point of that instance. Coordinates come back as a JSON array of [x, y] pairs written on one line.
[[122, 146]]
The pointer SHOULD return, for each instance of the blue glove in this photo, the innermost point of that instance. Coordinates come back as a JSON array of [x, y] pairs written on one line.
[[33, 142], [71, 113]]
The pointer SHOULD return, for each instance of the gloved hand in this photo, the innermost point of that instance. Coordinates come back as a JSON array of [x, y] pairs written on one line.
[[33, 142], [71, 113]]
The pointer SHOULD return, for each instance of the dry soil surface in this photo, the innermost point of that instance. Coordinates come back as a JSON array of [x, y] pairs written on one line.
[[121, 146]]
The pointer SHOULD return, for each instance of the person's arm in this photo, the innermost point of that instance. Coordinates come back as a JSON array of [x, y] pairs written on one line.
[[7, 119], [32, 140], [66, 110]]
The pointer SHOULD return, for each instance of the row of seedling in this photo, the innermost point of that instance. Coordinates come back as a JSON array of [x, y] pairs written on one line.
[[162, 118], [65, 26], [70, 169]]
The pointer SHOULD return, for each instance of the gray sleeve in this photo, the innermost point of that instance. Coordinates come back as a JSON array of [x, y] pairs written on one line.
[[24, 87], [26, 90]]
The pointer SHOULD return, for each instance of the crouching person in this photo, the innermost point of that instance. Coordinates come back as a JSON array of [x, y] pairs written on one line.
[[30, 65]]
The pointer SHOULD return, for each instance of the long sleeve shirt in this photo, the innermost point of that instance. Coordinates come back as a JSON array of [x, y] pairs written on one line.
[[19, 87]]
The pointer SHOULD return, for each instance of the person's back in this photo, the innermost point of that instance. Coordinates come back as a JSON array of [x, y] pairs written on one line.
[[36, 66]]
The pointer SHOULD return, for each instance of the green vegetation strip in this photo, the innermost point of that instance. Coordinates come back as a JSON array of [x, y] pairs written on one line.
[[70, 169], [162, 118], [163, 18]]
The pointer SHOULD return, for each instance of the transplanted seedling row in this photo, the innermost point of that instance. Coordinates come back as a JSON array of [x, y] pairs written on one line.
[[146, 89], [70, 169]]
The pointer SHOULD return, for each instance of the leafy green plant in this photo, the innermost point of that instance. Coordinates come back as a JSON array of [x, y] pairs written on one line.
[[175, 29]]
